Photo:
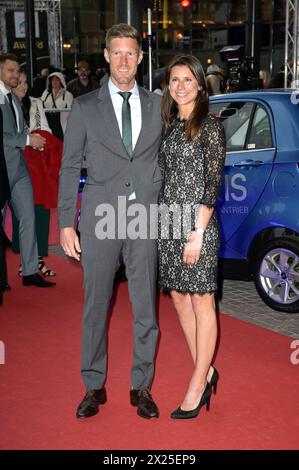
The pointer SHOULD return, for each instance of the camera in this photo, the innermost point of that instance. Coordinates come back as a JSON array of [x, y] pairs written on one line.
[[240, 73]]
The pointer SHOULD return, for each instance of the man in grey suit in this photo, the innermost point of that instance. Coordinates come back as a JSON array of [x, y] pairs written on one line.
[[15, 137], [119, 129]]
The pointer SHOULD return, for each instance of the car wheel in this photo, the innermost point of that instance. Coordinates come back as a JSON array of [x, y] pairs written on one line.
[[276, 275]]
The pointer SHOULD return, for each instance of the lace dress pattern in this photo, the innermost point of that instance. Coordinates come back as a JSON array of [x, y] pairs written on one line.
[[192, 174]]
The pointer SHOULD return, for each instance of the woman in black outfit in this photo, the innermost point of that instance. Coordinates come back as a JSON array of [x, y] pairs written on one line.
[[191, 161]]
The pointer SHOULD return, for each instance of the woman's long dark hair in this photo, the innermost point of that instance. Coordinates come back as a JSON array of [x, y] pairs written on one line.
[[201, 108], [26, 103]]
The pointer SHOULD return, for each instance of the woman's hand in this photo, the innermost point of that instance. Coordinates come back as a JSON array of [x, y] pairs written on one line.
[[193, 248]]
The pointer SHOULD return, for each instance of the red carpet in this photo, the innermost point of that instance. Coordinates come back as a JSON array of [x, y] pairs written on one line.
[[54, 231], [256, 406]]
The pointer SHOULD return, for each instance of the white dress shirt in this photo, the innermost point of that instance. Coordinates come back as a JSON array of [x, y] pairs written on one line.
[[135, 106], [5, 92]]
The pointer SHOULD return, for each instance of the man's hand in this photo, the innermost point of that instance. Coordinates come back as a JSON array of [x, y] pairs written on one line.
[[37, 141], [70, 242], [193, 248]]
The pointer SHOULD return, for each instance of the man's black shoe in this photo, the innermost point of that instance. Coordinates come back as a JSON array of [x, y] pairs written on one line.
[[146, 407], [89, 406], [37, 280]]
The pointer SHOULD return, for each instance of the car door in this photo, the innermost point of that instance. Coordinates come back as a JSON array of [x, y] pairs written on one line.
[[250, 151]]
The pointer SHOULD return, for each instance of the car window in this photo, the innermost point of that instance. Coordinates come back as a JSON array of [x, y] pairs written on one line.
[[260, 136], [235, 117]]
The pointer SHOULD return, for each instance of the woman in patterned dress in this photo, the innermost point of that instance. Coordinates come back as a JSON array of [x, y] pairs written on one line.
[[191, 160]]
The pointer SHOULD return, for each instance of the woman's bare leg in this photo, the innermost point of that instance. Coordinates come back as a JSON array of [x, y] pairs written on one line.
[[206, 336]]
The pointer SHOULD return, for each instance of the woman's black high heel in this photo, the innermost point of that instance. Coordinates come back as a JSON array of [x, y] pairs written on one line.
[[214, 380], [205, 400]]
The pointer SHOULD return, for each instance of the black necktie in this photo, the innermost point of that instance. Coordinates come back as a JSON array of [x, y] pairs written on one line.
[[9, 96], [126, 121]]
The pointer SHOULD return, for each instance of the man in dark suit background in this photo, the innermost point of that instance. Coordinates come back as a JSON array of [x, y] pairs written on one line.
[[4, 197], [16, 137]]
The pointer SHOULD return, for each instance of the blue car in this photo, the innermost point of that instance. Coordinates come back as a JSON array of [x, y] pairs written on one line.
[[258, 205]]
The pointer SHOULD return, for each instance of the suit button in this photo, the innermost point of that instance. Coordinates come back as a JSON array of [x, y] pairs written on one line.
[[131, 159], [128, 184]]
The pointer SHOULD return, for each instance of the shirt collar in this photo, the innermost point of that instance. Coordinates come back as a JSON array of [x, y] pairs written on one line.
[[3, 88], [113, 88]]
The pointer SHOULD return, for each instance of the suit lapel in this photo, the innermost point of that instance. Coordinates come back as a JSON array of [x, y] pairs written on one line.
[[8, 111], [112, 131], [146, 113], [20, 117]]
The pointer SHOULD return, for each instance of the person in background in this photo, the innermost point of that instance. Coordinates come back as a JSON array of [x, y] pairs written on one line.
[[83, 83], [40, 83], [215, 80], [191, 161], [99, 73], [16, 137], [36, 120], [57, 97]]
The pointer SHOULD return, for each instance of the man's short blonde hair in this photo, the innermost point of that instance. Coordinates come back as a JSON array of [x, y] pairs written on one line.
[[122, 30]]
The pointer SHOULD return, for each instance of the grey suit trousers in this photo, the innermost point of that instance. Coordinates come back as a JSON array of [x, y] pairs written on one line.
[[23, 206], [22, 202], [140, 257]]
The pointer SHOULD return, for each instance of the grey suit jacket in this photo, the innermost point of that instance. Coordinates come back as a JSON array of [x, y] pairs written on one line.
[[14, 140], [93, 131]]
